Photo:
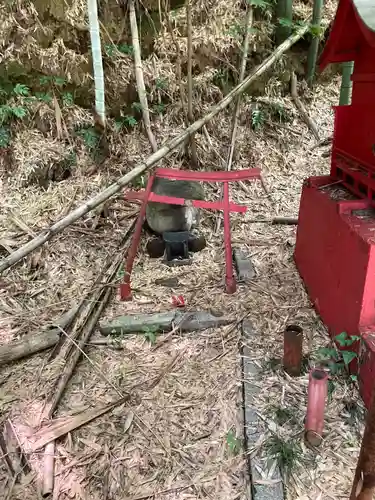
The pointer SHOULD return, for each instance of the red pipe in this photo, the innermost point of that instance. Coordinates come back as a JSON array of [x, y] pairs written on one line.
[[230, 282], [293, 337], [364, 478], [316, 400]]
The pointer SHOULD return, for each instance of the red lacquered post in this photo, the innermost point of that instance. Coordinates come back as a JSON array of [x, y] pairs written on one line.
[[316, 402], [364, 478], [125, 287], [293, 337], [230, 281]]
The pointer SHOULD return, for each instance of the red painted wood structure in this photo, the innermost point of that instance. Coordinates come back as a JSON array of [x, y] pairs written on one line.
[[226, 206], [335, 248]]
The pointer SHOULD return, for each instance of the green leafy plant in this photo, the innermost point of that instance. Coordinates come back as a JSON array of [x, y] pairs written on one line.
[[7, 112], [125, 121], [21, 90], [150, 334], [257, 119], [292, 25], [316, 30], [4, 137], [111, 49], [339, 361], [233, 443], [67, 99], [286, 453], [160, 108], [90, 137], [161, 84], [260, 4]]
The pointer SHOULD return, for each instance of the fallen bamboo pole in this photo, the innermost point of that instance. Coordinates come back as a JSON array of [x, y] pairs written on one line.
[[168, 147], [34, 343]]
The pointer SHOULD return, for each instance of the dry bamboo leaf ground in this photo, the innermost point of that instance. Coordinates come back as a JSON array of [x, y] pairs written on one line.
[[174, 438]]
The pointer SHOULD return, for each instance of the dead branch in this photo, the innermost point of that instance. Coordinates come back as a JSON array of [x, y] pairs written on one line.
[[301, 108], [168, 148], [139, 76]]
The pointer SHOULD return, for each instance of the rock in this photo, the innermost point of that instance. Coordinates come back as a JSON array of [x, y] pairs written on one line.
[[244, 266], [163, 217]]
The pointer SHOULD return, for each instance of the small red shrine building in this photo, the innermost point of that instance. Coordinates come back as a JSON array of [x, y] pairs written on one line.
[[335, 247]]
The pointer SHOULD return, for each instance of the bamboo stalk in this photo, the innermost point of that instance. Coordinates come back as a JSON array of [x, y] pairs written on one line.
[[139, 76], [284, 10], [301, 108], [168, 147], [97, 60], [346, 83], [193, 147], [34, 343], [236, 111], [314, 46], [178, 58], [48, 469]]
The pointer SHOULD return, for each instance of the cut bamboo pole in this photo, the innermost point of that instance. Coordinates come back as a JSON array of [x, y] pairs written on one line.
[[141, 88], [34, 343], [346, 83], [48, 469], [193, 146], [314, 46], [236, 112], [97, 60], [168, 147]]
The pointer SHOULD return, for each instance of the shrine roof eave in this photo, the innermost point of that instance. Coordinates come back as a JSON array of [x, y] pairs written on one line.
[[354, 17]]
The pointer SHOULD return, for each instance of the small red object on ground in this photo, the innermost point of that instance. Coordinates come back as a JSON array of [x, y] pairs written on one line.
[[178, 301], [189, 175]]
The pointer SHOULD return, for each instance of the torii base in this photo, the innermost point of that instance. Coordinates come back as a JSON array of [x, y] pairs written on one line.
[[335, 256]]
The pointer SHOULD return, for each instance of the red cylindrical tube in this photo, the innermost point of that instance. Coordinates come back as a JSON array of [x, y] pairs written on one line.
[[364, 478], [293, 337], [316, 401]]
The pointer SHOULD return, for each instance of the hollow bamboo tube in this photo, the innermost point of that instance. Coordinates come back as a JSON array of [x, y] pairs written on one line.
[[293, 337], [316, 401], [346, 83], [364, 478]]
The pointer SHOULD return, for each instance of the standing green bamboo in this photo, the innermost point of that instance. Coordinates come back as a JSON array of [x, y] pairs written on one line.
[[284, 14], [97, 60], [314, 46], [346, 83]]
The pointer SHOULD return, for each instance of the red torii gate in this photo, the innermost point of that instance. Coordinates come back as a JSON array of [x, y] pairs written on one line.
[[226, 205]]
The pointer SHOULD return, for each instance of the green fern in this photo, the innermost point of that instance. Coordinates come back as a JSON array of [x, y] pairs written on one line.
[[21, 90], [257, 119], [4, 137]]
